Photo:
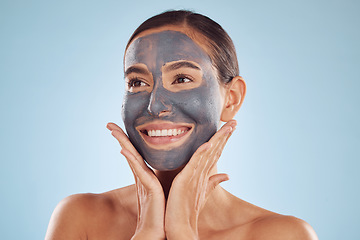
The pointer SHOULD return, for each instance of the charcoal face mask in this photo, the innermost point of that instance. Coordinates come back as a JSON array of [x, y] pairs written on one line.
[[199, 106]]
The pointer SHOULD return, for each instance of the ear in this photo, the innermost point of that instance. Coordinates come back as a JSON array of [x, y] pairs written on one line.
[[235, 93]]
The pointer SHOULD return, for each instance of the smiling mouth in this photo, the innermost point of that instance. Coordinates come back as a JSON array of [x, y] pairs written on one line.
[[164, 135], [165, 132]]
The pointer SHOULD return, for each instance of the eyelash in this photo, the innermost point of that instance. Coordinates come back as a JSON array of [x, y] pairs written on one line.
[[133, 80], [179, 76]]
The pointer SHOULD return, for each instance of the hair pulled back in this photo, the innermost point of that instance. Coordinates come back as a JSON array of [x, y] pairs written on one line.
[[222, 51]]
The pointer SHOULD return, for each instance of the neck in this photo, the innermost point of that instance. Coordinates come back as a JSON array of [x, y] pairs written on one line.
[[219, 205], [218, 211], [166, 178]]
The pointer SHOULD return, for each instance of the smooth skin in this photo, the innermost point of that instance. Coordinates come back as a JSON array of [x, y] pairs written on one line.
[[187, 203], [196, 207]]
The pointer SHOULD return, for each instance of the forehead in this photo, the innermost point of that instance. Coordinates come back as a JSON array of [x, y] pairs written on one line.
[[156, 49]]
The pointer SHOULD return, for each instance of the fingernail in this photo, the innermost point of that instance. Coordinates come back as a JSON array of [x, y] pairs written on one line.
[[229, 130], [234, 123]]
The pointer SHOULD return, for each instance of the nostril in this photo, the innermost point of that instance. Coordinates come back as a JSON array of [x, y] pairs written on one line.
[[159, 103], [158, 107], [164, 112]]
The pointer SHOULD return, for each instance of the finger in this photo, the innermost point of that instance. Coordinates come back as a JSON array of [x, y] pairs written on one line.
[[125, 143], [121, 136], [214, 181], [214, 156], [134, 163], [195, 160], [227, 127], [221, 134], [127, 154], [202, 156], [145, 175], [112, 126], [219, 141]]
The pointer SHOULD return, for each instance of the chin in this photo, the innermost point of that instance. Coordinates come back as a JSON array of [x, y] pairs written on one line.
[[167, 160]]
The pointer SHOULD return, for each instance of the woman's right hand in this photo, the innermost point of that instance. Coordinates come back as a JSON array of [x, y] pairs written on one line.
[[151, 199]]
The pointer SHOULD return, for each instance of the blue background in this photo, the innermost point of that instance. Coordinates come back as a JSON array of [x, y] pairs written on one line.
[[295, 151]]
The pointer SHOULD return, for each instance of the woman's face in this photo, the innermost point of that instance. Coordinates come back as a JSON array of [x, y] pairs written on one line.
[[173, 100]]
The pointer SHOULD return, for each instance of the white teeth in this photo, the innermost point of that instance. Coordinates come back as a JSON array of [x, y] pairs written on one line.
[[165, 132], [174, 132], [151, 133]]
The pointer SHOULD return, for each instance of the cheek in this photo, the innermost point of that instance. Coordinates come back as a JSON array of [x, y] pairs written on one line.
[[133, 106], [202, 104]]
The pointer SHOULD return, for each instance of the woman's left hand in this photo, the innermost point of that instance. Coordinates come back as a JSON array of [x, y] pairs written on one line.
[[192, 186]]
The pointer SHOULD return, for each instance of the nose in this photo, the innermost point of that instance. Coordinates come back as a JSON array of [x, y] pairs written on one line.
[[159, 103]]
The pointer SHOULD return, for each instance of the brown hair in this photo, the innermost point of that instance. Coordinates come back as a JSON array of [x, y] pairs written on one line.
[[222, 50]]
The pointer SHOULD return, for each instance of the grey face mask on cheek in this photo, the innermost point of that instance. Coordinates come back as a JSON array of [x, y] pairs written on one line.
[[200, 106]]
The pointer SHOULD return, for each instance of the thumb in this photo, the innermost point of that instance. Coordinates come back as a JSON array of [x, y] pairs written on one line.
[[215, 180]]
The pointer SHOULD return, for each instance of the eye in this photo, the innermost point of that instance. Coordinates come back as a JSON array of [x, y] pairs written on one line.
[[135, 82], [181, 79]]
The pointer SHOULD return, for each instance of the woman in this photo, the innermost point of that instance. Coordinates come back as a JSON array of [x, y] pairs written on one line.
[[182, 80]]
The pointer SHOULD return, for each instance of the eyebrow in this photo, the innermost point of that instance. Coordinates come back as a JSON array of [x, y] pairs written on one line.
[[181, 64], [135, 70]]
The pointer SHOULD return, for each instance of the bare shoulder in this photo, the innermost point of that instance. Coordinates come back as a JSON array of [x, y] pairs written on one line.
[[276, 226], [82, 215], [246, 221]]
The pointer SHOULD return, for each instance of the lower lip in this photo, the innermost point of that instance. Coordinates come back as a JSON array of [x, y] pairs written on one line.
[[164, 140]]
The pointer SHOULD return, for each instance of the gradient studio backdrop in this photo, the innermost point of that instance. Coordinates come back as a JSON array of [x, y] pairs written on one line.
[[295, 151]]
